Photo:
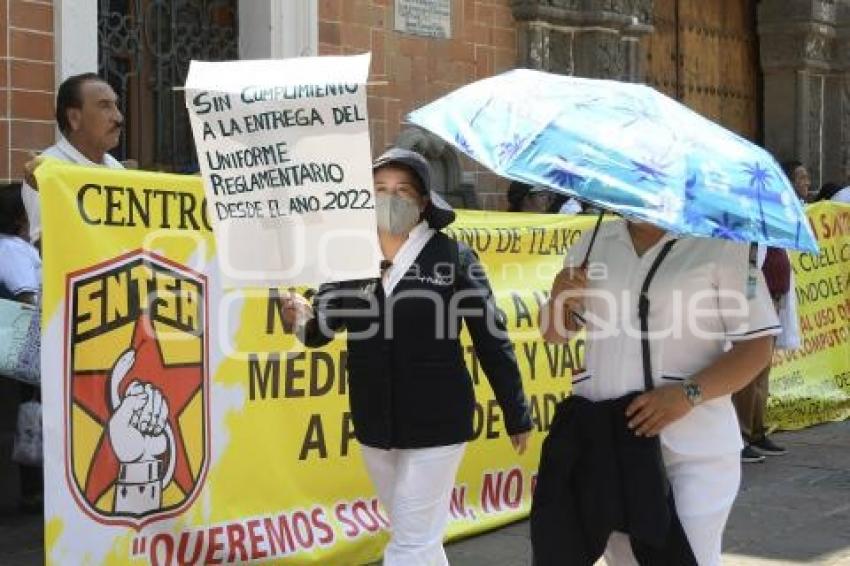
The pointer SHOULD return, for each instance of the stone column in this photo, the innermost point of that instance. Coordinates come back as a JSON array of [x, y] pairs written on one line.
[[588, 38], [837, 153], [803, 89]]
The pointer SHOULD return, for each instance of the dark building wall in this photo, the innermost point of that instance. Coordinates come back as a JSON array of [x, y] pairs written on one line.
[[805, 57]]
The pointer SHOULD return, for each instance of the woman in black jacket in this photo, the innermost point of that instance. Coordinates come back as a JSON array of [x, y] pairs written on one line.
[[410, 393]]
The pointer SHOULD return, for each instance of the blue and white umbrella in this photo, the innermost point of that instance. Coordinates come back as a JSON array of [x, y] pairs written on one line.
[[627, 148]]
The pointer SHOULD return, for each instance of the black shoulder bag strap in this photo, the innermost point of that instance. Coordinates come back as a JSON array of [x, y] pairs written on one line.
[[643, 314]]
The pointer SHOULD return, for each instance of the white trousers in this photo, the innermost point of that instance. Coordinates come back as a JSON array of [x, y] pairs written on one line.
[[415, 488], [704, 489]]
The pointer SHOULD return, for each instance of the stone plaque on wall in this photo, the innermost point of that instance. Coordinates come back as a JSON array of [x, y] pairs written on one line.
[[428, 18]]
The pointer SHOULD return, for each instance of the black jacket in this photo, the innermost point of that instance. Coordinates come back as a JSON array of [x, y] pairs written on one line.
[[408, 384], [597, 477]]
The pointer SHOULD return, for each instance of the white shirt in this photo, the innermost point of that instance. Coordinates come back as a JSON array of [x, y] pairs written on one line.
[[20, 267], [842, 196], [702, 277], [789, 337], [571, 206], [406, 255], [63, 150]]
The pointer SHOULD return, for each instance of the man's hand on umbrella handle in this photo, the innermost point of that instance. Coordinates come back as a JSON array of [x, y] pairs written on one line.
[[29, 169], [520, 442], [568, 288]]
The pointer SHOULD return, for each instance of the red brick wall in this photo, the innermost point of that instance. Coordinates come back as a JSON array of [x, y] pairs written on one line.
[[417, 70], [27, 82]]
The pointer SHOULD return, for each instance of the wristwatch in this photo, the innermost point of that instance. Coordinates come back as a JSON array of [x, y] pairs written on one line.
[[693, 392]]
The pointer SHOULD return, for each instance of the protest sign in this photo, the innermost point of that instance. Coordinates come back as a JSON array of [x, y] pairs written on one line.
[[283, 147], [811, 385]]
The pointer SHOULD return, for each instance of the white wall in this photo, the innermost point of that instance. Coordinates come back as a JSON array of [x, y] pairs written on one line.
[[75, 37], [255, 38], [295, 28], [276, 29]]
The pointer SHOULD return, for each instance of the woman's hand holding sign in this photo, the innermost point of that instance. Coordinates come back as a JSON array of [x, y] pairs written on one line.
[[295, 311], [520, 442]]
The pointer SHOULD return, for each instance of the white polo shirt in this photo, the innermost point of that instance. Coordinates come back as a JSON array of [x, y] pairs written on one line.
[[571, 206], [20, 267], [698, 304], [842, 196], [63, 150]]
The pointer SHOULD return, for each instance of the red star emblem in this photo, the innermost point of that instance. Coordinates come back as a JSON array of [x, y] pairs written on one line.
[[179, 385]]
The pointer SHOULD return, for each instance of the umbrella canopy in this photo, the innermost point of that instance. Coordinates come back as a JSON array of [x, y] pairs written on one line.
[[625, 147]]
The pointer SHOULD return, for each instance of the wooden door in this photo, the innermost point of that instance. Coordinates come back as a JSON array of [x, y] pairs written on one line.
[[705, 54]]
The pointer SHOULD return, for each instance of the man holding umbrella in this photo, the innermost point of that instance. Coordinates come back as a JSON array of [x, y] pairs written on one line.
[[675, 324], [689, 408]]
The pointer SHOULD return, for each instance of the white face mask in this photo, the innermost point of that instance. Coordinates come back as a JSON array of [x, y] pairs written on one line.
[[396, 214]]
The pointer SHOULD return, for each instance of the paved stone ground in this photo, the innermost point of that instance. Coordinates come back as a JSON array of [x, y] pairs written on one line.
[[793, 509], [21, 540]]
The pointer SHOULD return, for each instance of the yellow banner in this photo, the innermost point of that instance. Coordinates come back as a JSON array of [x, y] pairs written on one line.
[[811, 385], [183, 426]]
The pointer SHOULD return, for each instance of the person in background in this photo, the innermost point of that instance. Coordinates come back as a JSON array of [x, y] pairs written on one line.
[[842, 196], [20, 266], [827, 191], [751, 401], [834, 192], [563, 204], [411, 394], [525, 198], [537, 198], [800, 178], [20, 280], [556, 201], [89, 124]]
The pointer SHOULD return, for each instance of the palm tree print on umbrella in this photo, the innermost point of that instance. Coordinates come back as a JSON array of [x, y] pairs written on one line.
[[508, 150], [653, 169], [797, 233], [693, 215], [588, 103], [758, 182], [638, 111], [562, 174], [463, 144], [730, 228]]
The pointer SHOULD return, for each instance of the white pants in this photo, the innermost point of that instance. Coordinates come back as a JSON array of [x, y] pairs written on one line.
[[704, 489], [415, 487]]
